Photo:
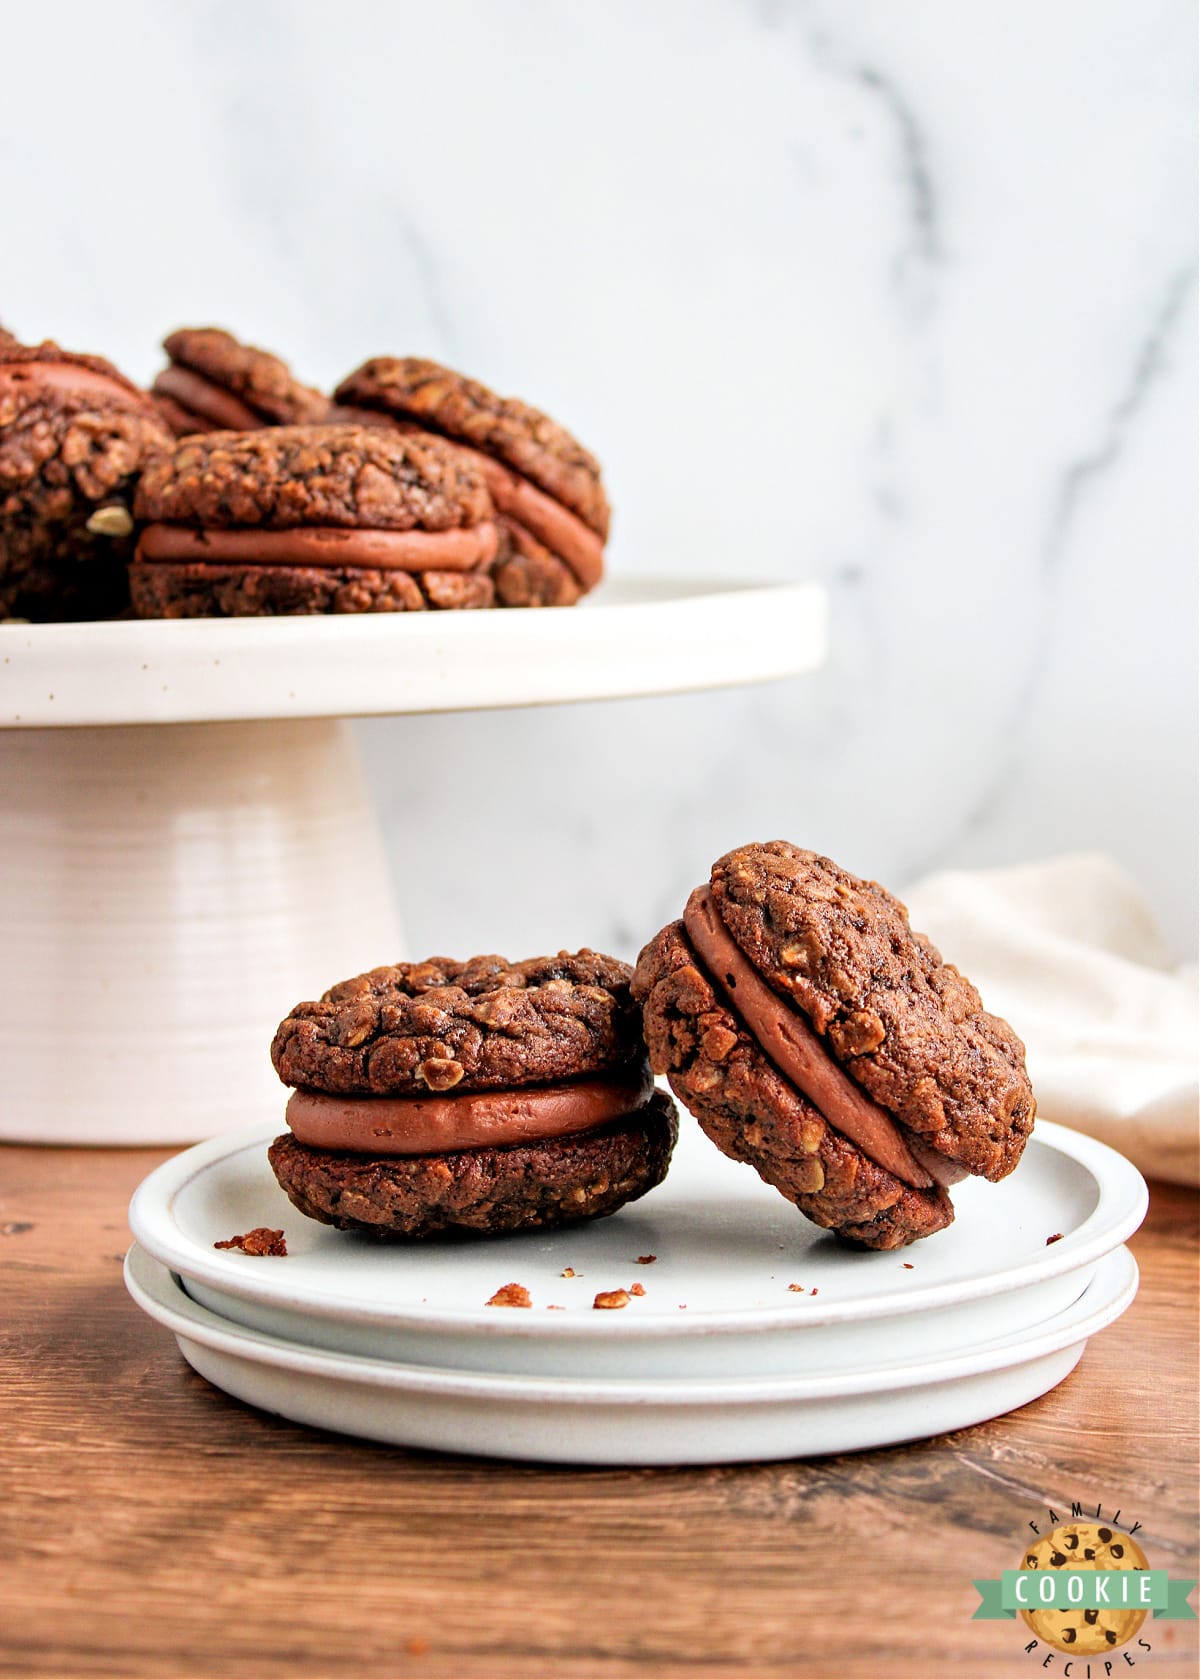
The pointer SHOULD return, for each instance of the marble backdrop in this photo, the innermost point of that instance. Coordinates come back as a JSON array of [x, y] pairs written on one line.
[[898, 294]]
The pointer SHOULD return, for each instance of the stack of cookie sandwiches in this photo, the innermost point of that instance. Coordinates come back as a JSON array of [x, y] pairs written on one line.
[[473, 1097], [417, 488], [815, 1036]]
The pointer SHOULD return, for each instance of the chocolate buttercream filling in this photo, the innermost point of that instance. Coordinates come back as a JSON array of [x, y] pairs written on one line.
[[523, 503], [439, 1125], [562, 531], [464, 550], [210, 401], [64, 376], [783, 1035]]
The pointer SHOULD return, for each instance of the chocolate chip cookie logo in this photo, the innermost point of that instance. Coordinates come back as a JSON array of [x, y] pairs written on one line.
[[1085, 1589]]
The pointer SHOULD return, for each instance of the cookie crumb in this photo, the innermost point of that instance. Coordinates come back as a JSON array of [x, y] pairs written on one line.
[[611, 1298], [1057, 1237], [553, 1306], [511, 1295], [796, 1288], [567, 1271], [257, 1242], [646, 1259], [636, 1289], [907, 1264]]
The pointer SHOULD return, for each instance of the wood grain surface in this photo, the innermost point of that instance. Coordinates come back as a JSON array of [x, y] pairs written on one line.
[[149, 1526]]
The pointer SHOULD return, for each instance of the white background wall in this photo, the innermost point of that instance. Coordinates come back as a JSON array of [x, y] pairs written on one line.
[[894, 293]]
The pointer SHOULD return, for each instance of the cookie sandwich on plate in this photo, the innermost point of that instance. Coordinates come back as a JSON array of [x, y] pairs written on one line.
[[311, 519], [74, 435], [214, 383], [472, 1097], [817, 1037], [552, 508]]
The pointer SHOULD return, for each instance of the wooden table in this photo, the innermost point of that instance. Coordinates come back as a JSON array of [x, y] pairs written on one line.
[[151, 1526]]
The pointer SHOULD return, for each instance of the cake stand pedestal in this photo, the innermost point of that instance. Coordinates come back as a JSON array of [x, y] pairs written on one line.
[[187, 846]]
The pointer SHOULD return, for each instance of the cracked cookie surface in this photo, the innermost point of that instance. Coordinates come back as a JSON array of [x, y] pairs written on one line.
[[462, 409], [480, 1025], [293, 476]]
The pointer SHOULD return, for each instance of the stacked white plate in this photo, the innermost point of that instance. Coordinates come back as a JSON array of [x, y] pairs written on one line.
[[757, 1336]]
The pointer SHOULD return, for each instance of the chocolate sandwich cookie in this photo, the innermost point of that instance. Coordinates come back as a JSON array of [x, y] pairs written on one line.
[[74, 435], [311, 519], [481, 1097], [216, 384], [554, 514], [814, 1035]]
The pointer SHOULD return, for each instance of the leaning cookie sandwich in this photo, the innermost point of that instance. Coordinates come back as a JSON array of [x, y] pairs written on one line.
[[474, 1097], [817, 1037]]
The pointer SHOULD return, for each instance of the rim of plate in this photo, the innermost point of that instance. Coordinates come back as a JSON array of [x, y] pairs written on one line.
[[159, 1294], [1120, 1208], [386, 664]]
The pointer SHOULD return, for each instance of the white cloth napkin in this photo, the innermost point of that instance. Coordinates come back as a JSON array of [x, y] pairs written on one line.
[[1069, 953]]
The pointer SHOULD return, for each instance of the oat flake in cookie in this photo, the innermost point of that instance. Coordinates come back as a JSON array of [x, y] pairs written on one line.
[[817, 1037], [553, 511], [214, 383], [311, 519], [74, 435], [470, 1098]]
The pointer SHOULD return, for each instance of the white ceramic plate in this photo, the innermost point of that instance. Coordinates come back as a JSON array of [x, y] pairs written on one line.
[[717, 1297], [634, 636], [592, 1421]]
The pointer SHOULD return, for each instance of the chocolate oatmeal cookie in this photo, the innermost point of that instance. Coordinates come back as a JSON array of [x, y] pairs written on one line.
[[311, 519], [483, 1096], [482, 1191], [554, 513], [74, 435], [214, 383], [480, 1025], [817, 1037], [208, 591]]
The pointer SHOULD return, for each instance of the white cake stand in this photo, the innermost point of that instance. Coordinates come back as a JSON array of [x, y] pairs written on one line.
[[168, 893]]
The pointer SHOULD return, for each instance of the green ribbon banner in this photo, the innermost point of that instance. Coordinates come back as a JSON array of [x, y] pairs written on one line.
[[1084, 1589]]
